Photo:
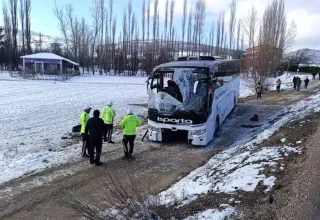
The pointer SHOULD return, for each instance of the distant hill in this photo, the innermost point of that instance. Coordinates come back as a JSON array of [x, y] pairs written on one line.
[[313, 54], [46, 40]]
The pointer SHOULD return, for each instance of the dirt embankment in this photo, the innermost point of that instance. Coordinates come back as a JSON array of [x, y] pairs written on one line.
[[162, 163], [297, 191]]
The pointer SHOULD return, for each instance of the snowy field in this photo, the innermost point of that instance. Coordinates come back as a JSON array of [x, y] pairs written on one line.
[[35, 115]]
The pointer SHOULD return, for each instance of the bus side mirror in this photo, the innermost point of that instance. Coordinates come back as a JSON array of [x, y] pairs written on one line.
[[195, 87]]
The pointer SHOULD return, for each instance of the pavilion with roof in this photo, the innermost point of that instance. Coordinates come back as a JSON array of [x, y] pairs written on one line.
[[49, 64]]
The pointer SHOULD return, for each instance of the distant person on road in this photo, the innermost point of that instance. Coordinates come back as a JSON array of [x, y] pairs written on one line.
[[84, 118], [129, 124], [295, 82], [259, 90], [298, 83], [278, 85], [314, 75], [306, 83], [94, 130], [108, 115]]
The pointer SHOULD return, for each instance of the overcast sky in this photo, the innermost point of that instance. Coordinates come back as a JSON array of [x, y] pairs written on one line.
[[306, 14]]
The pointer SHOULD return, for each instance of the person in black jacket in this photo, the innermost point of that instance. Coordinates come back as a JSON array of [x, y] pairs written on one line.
[[306, 83], [95, 129]]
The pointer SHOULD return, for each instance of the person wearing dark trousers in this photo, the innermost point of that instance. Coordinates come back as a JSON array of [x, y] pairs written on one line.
[[314, 75], [306, 83], [259, 90], [84, 118], [129, 124], [94, 130], [278, 85], [295, 82], [298, 83], [128, 139], [108, 115]]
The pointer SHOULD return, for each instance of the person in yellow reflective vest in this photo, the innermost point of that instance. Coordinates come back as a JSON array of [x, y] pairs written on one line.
[[84, 118], [108, 115], [129, 124]]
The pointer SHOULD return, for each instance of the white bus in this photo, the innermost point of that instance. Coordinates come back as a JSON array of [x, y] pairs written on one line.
[[195, 101]]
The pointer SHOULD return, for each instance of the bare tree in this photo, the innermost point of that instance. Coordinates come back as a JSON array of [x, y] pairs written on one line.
[[200, 18], [189, 38], [171, 31], [63, 25], [124, 40], [212, 31], [184, 18], [143, 26], [274, 38], [222, 32], [28, 24], [166, 15], [232, 25], [250, 27], [8, 41], [22, 21], [238, 38], [218, 34], [97, 24], [113, 27], [114, 30], [13, 5]]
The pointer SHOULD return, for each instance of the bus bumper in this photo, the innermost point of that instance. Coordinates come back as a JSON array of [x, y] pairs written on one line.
[[196, 135]]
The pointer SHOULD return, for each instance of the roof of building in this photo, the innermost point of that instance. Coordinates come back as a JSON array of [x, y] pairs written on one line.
[[48, 56]]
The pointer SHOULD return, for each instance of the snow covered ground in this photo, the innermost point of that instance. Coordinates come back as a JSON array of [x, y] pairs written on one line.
[[35, 115], [212, 214], [240, 168]]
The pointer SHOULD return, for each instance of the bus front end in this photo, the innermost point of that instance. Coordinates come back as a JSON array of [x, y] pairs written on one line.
[[177, 109]]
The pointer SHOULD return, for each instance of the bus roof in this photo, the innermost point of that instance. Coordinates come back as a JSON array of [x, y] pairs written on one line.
[[188, 63], [193, 63]]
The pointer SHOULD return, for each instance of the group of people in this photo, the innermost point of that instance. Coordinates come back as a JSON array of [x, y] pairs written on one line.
[[297, 83], [94, 129]]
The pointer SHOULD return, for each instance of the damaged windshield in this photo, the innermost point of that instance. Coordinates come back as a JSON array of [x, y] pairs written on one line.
[[172, 90]]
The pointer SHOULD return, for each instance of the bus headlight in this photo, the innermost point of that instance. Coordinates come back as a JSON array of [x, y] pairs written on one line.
[[151, 128], [198, 132]]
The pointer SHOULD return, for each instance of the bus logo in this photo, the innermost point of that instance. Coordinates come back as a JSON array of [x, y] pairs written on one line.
[[173, 120]]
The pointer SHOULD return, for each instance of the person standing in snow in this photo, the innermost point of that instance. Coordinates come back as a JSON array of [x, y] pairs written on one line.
[[298, 83], [306, 83], [129, 124], [314, 75], [259, 90], [108, 115], [95, 129], [295, 82], [278, 85], [84, 118]]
